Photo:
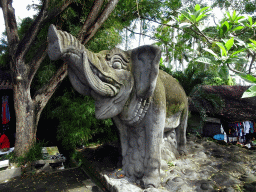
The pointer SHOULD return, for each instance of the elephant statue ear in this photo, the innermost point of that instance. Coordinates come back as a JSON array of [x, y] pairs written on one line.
[[145, 68]]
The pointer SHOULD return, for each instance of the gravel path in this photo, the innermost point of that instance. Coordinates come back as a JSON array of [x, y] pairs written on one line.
[[208, 167]]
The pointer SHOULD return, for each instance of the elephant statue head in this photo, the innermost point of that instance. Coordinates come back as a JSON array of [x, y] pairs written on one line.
[[127, 86]]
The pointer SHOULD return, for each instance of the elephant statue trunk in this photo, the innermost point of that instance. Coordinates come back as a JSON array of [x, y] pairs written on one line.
[[144, 102]]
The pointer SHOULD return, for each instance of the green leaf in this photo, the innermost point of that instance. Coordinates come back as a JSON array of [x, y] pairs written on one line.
[[240, 17], [200, 17], [251, 92], [254, 42], [210, 51], [197, 7], [229, 43], [204, 60], [228, 15], [238, 28], [250, 20], [203, 9], [184, 25], [236, 52], [223, 50], [247, 25], [247, 77], [193, 18], [227, 24], [185, 14], [234, 15]]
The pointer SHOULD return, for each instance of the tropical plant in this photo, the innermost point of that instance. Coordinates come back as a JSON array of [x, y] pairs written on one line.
[[229, 52]]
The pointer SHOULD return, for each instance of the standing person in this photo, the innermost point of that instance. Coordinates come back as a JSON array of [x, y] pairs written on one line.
[[4, 142]]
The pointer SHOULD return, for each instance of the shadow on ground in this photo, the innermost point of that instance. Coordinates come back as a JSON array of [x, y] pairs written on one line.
[[72, 180]]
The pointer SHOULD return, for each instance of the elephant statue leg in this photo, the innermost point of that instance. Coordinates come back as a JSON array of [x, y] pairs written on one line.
[[154, 138], [181, 133]]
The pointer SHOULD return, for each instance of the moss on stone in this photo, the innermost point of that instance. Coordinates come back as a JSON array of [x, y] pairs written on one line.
[[174, 108]]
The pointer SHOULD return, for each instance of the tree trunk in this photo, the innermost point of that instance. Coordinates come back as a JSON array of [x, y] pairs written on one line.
[[25, 119], [27, 109]]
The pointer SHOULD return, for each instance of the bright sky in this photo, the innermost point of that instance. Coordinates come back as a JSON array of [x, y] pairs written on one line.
[[20, 12]]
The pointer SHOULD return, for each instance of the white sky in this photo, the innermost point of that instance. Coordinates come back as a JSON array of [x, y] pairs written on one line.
[[20, 12]]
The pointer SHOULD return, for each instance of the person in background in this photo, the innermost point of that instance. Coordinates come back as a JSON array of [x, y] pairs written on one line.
[[4, 143]]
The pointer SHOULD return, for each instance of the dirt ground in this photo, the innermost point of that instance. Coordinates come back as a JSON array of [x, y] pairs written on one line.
[[72, 180]]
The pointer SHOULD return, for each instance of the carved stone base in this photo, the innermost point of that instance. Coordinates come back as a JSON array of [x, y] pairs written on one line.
[[117, 182]]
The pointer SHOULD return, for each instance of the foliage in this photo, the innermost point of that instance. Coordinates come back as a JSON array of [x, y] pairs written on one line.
[[34, 153], [251, 92], [228, 45], [200, 95], [77, 124], [228, 49], [215, 81], [191, 77]]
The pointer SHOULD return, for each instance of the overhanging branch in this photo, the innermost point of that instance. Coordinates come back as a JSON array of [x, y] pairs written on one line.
[[236, 71], [102, 18], [42, 96], [32, 32], [90, 18], [199, 33], [10, 25], [43, 17], [36, 61]]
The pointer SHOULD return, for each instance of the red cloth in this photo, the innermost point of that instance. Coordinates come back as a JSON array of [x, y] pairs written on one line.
[[4, 142], [5, 112]]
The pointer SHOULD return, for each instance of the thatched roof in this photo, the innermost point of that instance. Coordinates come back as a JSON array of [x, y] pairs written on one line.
[[236, 108]]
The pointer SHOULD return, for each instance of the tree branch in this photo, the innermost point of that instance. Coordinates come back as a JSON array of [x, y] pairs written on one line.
[[236, 71], [141, 34], [201, 34], [32, 32], [165, 43], [36, 61], [253, 59], [10, 25], [198, 33], [104, 15], [56, 11], [43, 17], [90, 18], [43, 95]]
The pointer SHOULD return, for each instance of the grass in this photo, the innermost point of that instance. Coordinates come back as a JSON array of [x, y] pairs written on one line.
[[32, 155]]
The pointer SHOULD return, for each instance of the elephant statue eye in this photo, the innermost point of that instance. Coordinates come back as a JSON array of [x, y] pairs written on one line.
[[117, 65]]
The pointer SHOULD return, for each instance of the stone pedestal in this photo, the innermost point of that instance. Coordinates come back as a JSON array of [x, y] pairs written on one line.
[[117, 182]]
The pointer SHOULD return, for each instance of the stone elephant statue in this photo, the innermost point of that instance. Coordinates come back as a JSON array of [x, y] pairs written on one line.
[[127, 86]]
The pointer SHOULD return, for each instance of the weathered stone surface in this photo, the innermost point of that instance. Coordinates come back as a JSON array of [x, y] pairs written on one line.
[[202, 172], [146, 104]]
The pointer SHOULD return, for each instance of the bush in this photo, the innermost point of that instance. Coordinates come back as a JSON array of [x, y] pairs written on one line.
[[35, 153], [77, 122]]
